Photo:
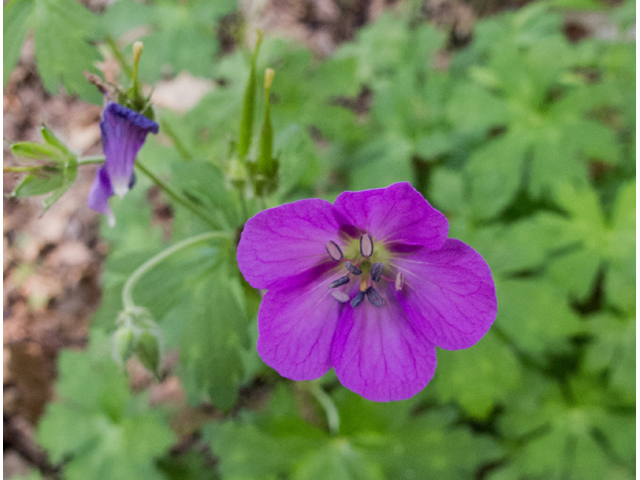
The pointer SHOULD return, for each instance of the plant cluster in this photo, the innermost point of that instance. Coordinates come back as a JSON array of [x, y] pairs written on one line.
[[523, 139]]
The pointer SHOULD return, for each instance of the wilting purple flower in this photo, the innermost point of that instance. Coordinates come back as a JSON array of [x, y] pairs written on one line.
[[123, 134], [369, 285]]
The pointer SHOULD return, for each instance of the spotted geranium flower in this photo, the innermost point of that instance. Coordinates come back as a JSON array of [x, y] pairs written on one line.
[[369, 285], [123, 134]]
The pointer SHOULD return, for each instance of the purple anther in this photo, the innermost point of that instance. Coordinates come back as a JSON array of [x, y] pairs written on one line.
[[357, 300], [333, 250], [339, 282], [376, 271], [399, 281], [352, 268], [374, 297], [366, 245], [340, 296]]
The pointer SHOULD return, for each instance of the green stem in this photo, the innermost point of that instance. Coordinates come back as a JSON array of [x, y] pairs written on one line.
[[91, 160], [333, 417], [176, 196], [168, 131], [243, 205], [20, 169], [111, 43], [127, 290]]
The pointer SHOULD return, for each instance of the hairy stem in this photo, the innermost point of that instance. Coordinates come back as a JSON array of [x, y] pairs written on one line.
[[166, 188]]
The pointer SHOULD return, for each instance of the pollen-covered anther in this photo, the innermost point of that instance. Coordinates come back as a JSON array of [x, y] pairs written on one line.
[[374, 297], [339, 282], [366, 245], [333, 250], [376, 271], [399, 281], [352, 268], [340, 296], [357, 300]]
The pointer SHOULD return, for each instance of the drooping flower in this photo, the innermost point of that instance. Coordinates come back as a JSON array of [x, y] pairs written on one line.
[[123, 134], [369, 286]]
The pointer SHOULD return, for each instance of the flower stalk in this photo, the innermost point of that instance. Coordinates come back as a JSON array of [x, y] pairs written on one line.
[[333, 417], [166, 188]]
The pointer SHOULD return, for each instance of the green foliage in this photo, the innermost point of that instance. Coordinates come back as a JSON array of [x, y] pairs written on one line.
[[97, 427], [524, 140], [62, 30], [55, 177]]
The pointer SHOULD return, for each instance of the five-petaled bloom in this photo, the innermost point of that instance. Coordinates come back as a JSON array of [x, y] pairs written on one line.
[[123, 134], [369, 285]]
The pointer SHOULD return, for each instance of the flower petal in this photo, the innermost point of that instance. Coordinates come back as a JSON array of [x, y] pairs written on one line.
[[296, 328], [123, 134], [448, 293], [99, 194], [398, 213], [281, 244], [379, 354]]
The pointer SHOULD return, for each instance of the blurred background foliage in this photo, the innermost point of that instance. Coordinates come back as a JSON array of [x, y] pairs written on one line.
[[523, 136]]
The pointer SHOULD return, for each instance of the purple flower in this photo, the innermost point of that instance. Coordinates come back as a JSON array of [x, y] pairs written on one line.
[[123, 134], [369, 285]]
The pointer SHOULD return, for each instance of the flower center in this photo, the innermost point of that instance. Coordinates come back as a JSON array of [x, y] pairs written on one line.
[[364, 262]]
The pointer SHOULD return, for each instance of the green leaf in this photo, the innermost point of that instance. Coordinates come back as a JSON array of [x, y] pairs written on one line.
[[96, 426], [62, 30], [620, 278], [472, 107], [595, 242], [516, 247], [214, 331], [338, 460], [430, 445], [39, 184], [560, 441], [297, 158], [204, 183], [536, 316], [248, 102], [494, 172], [69, 174], [15, 24], [447, 191], [36, 151], [383, 162], [124, 15], [246, 451], [479, 377], [612, 350], [53, 141]]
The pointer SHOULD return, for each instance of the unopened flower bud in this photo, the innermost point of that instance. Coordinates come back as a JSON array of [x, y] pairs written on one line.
[[123, 341], [269, 73], [148, 351], [137, 51]]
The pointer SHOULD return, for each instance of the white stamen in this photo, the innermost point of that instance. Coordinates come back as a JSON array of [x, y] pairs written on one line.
[[366, 245], [399, 281], [333, 250], [340, 296]]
